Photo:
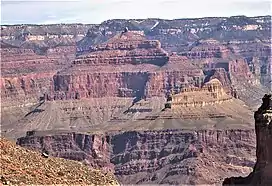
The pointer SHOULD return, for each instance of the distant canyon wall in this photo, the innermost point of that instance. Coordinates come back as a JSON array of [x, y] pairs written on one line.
[[157, 157]]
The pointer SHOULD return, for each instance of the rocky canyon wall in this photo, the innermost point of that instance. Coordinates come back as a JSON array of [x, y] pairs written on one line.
[[93, 150], [156, 157], [127, 65], [262, 173], [181, 157], [26, 75], [213, 44]]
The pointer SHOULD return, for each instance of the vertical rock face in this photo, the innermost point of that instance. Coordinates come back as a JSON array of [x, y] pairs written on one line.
[[262, 173], [181, 157], [263, 118], [170, 156], [248, 38], [211, 93], [93, 150], [127, 65], [27, 74]]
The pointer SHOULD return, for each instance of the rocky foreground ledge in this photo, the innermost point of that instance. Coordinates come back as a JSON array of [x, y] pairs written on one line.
[[262, 173], [20, 166]]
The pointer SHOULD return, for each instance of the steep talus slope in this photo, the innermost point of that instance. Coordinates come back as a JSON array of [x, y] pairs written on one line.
[[169, 156], [81, 115], [33, 54], [23, 166], [113, 114], [262, 172]]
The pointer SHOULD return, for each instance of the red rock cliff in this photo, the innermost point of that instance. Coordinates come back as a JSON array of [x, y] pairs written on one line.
[[157, 157], [26, 75], [93, 150], [128, 65], [262, 173]]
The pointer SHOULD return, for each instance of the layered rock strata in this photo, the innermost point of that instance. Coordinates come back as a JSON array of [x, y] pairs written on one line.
[[141, 69], [93, 150], [211, 93], [157, 157], [202, 38], [20, 166], [208, 49], [262, 173], [26, 74]]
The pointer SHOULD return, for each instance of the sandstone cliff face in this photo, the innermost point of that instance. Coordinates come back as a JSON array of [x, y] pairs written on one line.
[[207, 49], [237, 77], [55, 46], [121, 84], [221, 74], [210, 93], [203, 38], [43, 32], [181, 157], [92, 150], [129, 65], [262, 173], [156, 157], [258, 57], [26, 75], [141, 69]]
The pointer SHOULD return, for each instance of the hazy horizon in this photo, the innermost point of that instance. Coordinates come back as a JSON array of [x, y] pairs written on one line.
[[97, 11], [127, 19]]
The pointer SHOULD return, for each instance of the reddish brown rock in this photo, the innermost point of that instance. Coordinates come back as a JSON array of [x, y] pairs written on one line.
[[262, 173], [125, 48], [126, 65], [156, 157], [20, 166], [92, 150], [220, 74], [26, 75], [240, 69], [181, 157], [211, 93], [208, 49], [201, 38]]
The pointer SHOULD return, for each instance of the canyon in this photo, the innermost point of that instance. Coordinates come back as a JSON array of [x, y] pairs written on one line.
[[155, 157], [154, 101], [170, 156]]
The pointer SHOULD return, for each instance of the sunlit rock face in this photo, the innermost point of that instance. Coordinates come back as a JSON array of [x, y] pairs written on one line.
[[92, 150], [127, 65], [170, 156]]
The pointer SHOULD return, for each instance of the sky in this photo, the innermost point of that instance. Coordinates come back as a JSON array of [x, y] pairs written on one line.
[[97, 11]]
